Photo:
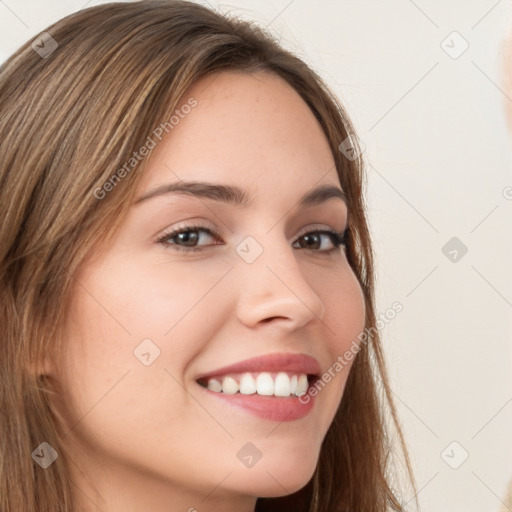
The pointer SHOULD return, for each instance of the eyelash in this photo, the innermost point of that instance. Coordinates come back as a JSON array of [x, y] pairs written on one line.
[[337, 239]]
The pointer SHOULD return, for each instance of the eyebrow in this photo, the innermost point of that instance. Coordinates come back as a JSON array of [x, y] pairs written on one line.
[[237, 196]]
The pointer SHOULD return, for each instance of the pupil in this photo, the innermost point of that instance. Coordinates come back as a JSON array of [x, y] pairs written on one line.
[[312, 238], [185, 237]]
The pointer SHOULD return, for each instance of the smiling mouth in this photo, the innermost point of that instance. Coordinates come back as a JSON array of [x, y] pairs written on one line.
[[271, 384]]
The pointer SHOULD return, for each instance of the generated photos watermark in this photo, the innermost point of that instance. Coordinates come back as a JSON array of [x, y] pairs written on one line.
[[145, 149], [344, 359]]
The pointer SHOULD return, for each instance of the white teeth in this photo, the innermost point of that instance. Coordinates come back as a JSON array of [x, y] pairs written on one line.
[[264, 383], [282, 385], [293, 384], [302, 385], [247, 384], [229, 385], [214, 385]]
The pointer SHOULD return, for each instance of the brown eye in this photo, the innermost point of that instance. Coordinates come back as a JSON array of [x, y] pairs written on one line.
[[313, 240], [186, 238]]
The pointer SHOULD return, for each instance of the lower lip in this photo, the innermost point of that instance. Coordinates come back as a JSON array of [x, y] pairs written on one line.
[[273, 408]]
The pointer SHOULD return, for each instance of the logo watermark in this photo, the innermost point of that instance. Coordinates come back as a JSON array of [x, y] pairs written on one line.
[[344, 359]]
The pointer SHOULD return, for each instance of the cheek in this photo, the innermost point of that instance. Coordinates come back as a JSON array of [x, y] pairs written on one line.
[[122, 318], [345, 309], [344, 322], [127, 303], [156, 298], [108, 391]]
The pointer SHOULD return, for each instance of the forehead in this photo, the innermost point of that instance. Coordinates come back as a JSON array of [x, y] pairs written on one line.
[[251, 130]]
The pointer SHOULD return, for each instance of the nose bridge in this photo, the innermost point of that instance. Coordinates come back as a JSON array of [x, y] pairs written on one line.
[[273, 284]]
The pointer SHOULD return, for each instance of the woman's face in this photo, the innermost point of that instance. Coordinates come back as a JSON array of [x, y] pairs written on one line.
[[149, 315]]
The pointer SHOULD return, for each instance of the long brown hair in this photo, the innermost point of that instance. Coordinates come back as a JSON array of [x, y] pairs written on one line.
[[74, 105]]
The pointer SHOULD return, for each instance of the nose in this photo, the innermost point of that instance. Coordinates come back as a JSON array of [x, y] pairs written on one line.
[[273, 288]]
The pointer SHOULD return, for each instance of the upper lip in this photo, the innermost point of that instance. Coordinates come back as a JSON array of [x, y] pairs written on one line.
[[296, 363]]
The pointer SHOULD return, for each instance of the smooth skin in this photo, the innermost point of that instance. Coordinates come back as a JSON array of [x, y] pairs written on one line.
[[149, 437]]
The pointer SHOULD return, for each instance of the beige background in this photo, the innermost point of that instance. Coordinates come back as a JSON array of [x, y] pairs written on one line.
[[440, 164]]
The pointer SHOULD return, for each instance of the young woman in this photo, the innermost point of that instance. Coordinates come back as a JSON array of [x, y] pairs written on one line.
[[187, 302]]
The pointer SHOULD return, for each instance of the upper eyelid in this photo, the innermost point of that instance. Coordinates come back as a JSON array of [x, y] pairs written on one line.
[[216, 233], [321, 209]]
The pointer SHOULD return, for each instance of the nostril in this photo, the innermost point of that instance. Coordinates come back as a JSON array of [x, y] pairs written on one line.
[[265, 320]]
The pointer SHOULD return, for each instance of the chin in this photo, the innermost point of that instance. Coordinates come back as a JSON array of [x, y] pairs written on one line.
[[277, 478]]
